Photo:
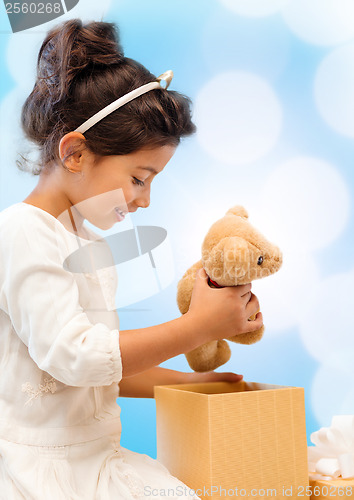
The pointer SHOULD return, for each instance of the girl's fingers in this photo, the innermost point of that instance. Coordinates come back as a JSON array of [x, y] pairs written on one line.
[[244, 289], [229, 377], [247, 297], [256, 324], [202, 278], [252, 305], [218, 377]]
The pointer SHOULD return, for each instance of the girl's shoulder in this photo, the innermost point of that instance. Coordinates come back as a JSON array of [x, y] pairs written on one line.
[[32, 218], [26, 218], [29, 235], [20, 211]]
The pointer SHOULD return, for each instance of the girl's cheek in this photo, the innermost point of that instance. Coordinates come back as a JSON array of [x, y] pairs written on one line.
[[128, 194]]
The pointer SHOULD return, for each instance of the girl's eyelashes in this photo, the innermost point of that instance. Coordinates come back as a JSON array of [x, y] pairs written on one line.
[[138, 182]]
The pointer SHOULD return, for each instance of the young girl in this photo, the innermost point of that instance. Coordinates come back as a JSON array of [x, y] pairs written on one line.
[[62, 356]]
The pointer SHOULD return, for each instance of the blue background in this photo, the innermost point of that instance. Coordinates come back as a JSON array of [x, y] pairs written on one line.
[[202, 40]]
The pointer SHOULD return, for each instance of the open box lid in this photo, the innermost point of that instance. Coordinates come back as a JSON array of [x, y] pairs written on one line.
[[217, 388]]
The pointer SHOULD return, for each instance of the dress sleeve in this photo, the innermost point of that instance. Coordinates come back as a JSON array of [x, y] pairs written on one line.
[[42, 300]]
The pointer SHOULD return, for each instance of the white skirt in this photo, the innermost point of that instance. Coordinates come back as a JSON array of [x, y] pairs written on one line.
[[94, 470]]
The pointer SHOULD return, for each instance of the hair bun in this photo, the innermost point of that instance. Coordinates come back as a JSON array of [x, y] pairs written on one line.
[[71, 48]]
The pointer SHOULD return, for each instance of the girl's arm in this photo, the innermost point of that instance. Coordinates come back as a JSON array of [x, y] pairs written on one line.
[[214, 313], [142, 384]]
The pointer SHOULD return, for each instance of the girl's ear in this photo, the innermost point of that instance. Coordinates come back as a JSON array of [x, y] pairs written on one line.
[[71, 149]]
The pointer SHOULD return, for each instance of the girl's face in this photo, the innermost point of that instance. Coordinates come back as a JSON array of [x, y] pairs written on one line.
[[116, 185]]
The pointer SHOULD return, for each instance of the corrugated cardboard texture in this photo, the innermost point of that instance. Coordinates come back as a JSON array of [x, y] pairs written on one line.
[[337, 489], [240, 435]]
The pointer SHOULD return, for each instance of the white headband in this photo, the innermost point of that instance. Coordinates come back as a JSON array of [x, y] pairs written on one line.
[[165, 77]]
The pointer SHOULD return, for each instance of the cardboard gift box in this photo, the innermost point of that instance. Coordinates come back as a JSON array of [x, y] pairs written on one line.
[[226, 439], [333, 489]]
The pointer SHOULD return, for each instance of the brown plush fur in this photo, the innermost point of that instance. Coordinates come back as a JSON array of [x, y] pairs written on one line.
[[230, 257]]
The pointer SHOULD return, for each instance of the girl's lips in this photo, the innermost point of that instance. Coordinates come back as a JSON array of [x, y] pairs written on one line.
[[120, 214]]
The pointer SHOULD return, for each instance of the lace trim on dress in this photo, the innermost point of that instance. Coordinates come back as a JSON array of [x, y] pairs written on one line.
[[106, 279], [49, 385]]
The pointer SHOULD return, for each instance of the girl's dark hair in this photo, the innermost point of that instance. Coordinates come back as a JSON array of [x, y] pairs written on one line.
[[80, 70]]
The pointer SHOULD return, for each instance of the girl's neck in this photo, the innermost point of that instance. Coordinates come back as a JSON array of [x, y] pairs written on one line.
[[66, 214], [49, 197]]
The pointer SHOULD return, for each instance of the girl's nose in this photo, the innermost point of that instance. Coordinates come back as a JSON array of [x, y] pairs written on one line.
[[143, 201]]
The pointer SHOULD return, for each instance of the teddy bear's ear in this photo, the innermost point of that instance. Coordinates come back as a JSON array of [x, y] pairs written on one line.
[[238, 210]]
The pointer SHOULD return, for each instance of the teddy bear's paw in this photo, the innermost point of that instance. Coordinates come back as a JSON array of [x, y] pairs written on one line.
[[248, 337], [209, 356]]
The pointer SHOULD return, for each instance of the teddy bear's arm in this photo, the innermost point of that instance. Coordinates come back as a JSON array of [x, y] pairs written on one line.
[[212, 354], [185, 287]]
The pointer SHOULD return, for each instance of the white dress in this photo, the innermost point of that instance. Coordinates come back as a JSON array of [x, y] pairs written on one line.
[[60, 366]]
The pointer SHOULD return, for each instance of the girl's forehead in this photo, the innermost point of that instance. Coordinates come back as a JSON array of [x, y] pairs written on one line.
[[149, 169], [153, 159]]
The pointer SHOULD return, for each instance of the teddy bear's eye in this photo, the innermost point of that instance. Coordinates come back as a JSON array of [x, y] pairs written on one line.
[[260, 260]]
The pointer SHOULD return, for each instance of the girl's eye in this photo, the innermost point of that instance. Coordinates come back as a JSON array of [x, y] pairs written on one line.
[[138, 182]]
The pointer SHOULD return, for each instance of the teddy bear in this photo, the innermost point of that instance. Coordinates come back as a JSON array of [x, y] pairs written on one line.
[[233, 253]]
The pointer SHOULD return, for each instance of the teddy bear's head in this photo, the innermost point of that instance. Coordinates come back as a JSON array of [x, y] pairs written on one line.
[[235, 253]]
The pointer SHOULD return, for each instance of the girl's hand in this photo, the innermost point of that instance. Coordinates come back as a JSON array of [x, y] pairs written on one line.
[[223, 312], [196, 378]]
